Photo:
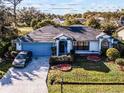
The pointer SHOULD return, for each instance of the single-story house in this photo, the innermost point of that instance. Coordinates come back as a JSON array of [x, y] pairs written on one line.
[[120, 33], [82, 39]]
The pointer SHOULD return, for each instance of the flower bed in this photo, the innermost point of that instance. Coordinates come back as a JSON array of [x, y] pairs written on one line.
[[95, 58], [65, 67]]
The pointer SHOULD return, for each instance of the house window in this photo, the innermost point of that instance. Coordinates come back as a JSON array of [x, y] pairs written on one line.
[[81, 45]]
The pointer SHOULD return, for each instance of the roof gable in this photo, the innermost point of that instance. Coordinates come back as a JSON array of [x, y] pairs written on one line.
[[63, 36], [103, 35]]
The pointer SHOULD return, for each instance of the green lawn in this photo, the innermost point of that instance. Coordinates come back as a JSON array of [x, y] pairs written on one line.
[[88, 72], [4, 68], [86, 89]]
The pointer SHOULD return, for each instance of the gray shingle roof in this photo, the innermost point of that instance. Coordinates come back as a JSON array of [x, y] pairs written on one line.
[[47, 33]]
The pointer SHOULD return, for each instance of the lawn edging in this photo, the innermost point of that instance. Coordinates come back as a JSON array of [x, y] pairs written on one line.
[[81, 83]]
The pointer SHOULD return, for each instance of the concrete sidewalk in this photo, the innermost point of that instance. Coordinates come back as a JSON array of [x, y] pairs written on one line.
[[31, 79]]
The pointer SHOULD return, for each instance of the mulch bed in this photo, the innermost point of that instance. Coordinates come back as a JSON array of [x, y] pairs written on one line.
[[62, 67], [65, 67], [95, 58]]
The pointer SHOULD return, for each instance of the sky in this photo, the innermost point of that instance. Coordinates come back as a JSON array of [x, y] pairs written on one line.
[[73, 6]]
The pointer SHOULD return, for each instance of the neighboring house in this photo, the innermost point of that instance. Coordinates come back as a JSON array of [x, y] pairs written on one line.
[[121, 21], [100, 19], [120, 33], [58, 20], [83, 39]]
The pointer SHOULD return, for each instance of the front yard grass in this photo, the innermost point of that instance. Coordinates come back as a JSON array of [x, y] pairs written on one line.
[[4, 68], [88, 72], [86, 89]]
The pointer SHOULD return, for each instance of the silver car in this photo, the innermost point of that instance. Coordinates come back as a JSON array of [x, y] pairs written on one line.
[[22, 59]]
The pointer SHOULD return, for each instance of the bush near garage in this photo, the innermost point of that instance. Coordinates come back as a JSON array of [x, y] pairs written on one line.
[[55, 60]]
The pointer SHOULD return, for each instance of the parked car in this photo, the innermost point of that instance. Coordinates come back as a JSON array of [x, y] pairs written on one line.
[[22, 59]]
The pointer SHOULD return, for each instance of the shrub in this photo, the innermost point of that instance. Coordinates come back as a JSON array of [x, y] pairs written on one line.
[[34, 22], [112, 53], [120, 61], [92, 22], [45, 23], [55, 60]]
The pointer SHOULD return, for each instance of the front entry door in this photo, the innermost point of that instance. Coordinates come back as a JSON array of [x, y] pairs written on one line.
[[62, 47]]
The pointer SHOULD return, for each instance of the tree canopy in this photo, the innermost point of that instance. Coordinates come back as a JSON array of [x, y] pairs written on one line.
[[92, 22]]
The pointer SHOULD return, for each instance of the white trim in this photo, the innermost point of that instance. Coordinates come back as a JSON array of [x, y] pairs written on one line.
[[57, 47], [86, 52], [60, 35]]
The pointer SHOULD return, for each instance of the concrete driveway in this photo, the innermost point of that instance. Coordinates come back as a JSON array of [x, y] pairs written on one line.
[[31, 79]]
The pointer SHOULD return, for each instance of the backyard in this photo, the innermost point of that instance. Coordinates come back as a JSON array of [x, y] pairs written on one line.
[[87, 72]]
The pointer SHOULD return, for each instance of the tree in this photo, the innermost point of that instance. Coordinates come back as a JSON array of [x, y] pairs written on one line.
[[26, 15], [34, 23], [67, 22], [1, 15], [45, 23], [108, 28], [15, 3], [74, 22], [92, 22]]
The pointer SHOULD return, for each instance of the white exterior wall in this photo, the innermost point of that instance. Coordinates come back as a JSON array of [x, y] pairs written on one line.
[[69, 46], [94, 46], [57, 47], [100, 42], [18, 46], [110, 40], [121, 34]]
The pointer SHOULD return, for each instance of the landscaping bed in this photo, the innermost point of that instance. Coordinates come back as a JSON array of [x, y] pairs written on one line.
[[94, 58], [57, 60]]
